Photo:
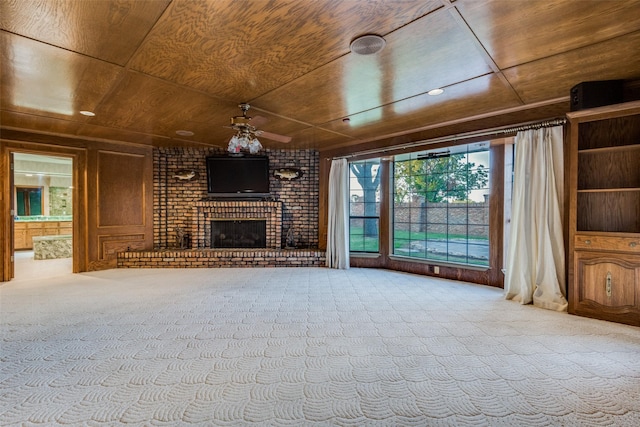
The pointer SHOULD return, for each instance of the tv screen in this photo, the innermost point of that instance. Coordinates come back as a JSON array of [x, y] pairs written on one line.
[[238, 176]]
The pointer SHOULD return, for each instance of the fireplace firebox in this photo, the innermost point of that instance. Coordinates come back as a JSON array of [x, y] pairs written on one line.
[[205, 211], [239, 233]]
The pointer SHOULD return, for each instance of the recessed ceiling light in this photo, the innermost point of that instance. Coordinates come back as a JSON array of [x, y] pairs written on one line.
[[367, 44], [435, 92], [87, 113], [184, 132]]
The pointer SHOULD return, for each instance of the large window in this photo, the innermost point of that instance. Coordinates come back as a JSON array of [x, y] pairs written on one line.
[[364, 206], [441, 205]]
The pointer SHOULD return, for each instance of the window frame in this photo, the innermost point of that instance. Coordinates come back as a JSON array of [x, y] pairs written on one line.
[[446, 257], [364, 217]]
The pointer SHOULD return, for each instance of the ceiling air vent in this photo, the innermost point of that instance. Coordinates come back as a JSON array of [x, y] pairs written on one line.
[[367, 44]]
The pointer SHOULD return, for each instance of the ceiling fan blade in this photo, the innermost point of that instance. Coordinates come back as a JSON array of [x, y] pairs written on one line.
[[258, 121], [273, 136]]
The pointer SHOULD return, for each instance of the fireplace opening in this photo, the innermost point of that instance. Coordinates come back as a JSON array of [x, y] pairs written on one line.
[[239, 233]]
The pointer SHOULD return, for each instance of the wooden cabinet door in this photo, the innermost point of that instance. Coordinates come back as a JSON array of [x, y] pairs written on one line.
[[20, 239], [65, 228], [19, 235], [608, 286], [33, 229], [51, 228]]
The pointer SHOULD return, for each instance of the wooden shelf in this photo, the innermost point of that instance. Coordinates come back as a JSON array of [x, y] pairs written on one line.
[[605, 112], [610, 168], [609, 211]]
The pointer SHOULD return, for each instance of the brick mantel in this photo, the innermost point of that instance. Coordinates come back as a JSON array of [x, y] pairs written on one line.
[[207, 210]]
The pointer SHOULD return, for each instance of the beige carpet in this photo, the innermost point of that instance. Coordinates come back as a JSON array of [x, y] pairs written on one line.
[[303, 346]]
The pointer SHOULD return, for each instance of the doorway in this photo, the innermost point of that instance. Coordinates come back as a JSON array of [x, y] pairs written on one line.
[[42, 207]]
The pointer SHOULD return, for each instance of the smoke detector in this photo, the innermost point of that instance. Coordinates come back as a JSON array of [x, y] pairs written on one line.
[[367, 44]]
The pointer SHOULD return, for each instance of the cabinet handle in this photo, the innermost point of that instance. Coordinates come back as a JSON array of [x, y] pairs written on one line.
[[633, 244], [608, 284], [587, 242]]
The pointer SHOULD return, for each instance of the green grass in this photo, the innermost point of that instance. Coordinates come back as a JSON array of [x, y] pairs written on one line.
[[423, 235], [449, 258], [360, 243], [401, 237]]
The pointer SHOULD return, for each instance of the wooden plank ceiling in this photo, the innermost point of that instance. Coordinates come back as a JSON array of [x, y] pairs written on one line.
[[150, 68]]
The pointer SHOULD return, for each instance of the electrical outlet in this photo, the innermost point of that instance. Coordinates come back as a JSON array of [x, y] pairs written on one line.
[[436, 269]]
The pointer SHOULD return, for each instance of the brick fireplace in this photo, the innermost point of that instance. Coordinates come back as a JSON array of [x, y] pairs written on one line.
[[206, 211], [180, 205]]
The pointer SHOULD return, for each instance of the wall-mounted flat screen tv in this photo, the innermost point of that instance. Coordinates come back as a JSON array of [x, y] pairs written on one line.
[[242, 177]]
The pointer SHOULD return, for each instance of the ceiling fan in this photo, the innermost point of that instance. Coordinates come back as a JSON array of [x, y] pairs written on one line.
[[247, 132]]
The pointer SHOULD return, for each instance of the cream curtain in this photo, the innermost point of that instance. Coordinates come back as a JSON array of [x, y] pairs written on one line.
[[535, 259], [338, 226]]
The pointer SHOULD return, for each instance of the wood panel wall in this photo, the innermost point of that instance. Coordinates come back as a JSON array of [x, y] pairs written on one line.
[[112, 195], [121, 202]]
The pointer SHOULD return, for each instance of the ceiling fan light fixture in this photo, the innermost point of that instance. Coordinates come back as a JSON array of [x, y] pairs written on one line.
[[244, 141], [255, 146], [246, 136], [367, 44]]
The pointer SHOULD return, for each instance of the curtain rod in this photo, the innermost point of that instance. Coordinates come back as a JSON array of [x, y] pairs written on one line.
[[506, 130]]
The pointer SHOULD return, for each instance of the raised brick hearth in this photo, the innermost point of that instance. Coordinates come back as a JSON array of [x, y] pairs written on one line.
[[202, 256], [210, 258]]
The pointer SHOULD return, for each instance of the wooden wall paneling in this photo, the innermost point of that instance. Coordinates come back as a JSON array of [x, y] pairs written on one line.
[[80, 212], [11, 201], [121, 189], [6, 272], [569, 215], [110, 245], [120, 204], [323, 202], [496, 215]]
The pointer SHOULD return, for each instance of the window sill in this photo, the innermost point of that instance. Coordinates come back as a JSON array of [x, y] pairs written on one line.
[[439, 263], [364, 255]]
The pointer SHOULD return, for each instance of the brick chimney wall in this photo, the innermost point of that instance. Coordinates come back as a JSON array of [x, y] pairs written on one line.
[[174, 199]]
